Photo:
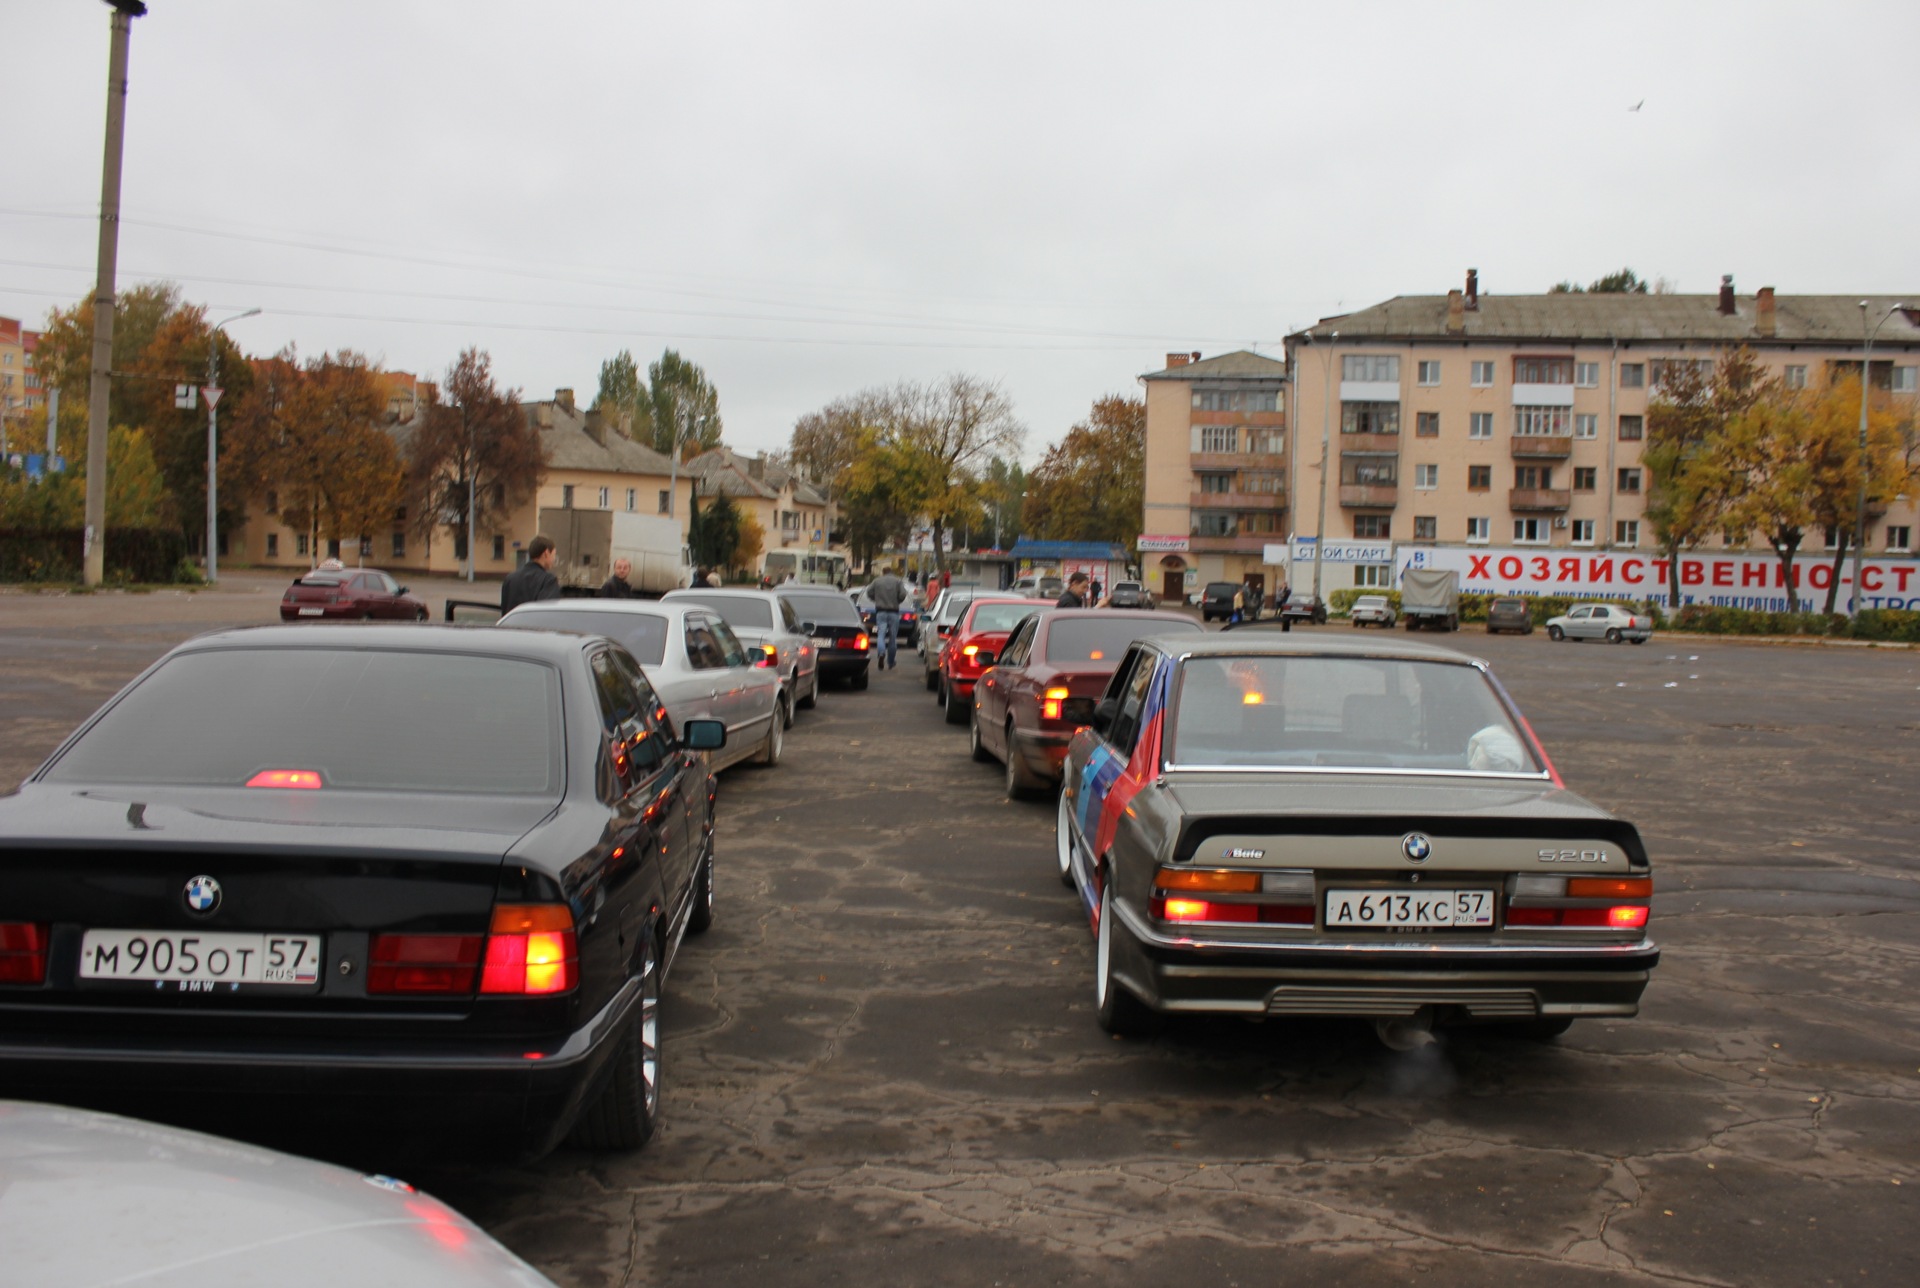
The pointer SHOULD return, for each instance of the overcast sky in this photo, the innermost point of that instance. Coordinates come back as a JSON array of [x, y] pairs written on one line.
[[808, 199]]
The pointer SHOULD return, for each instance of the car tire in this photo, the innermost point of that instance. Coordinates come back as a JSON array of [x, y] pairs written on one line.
[[812, 699], [974, 744], [700, 920], [419, 614], [1613, 635], [776, 742], [859, 681], [933, 681], [1063, 839], [624, 1114], [1555, 634], [956, 713], [1118, 1011], [785, 705]]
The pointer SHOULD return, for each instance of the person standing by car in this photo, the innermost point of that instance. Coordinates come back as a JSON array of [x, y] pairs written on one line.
[[532, 580], [888, 593], [617, 586], [1075, 595]]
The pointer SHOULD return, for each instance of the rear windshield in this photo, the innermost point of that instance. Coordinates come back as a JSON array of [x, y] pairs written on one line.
[[1372, 713], [322, 580], [747, 614], [642, 634], [1105, 639], [1222, 587], [363, 719], [823, 609], [956, 605], [997, 617]]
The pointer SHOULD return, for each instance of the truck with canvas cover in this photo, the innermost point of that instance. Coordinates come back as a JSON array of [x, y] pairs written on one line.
[[1430, 597], [588, 542]]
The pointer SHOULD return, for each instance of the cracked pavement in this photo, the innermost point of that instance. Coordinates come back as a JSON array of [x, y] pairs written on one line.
[[881, 1065]]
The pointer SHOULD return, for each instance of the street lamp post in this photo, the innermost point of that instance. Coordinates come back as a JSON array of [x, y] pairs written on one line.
[[1326, 449], [1860, 511], [212, 392]]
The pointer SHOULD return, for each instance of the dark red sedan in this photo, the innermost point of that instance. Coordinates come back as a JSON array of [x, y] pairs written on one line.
[[1045, 682], [350, 594], [975, 641]]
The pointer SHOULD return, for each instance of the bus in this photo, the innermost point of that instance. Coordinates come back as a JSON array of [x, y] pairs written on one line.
[[813, 568]]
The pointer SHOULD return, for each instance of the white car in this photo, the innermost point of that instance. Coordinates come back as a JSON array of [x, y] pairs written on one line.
[[1373, 610], [1609, 622]]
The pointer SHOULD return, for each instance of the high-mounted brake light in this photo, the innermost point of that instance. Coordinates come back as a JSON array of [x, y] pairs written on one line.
[[531, 948], [422, 963], [23, 952], [302, 779], [1050, 704]]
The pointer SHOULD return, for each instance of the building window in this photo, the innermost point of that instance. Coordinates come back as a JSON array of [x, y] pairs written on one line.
[[1586, 375], [666, 501], [1219, 438], [1899, 537], [333, 547], [1269, 442], [1586, 425], [1629, 481], [1531, 532], [1543, 371], [1533, 476], [1832, 535], [1480, 425], [1373, 575], [1370, 367], [499, 546], [300, 543], [1483, 375], [1626, 532], [1429, 373], [1426, 424], [566, 496], [1633, 428], [1263, 400], [273, 545], [1212, 523], [1370, 471], [1377, 526], [1265, 482], [1479, 478], [1370, 418], [1903, 381], [1583, 532], [633, 499], [1586, 478], [1426, 527], [1216, 482], [273, 502], [606, 498], [1259, 521], [399, 545], [1542, 422], [1658, 369], [1633, 375], [1426, 477], [1479, 530], [1796, 377]]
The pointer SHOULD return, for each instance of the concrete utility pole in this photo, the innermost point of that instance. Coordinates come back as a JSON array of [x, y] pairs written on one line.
[[1326, 449], [1860, 512], [212, 393], [93, 542]]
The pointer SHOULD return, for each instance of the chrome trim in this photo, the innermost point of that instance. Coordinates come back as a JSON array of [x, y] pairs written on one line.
[[1140, 930]]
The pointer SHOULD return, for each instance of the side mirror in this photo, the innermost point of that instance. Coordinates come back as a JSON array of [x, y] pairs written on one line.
[[704, 735], [1104, 713], [400, 590], [946, 630]]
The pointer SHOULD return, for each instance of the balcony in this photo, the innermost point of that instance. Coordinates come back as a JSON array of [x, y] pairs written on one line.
[[1274, 418], [1207, 462], [1369, 442], [1237, 501], [1523, 499], [1542, 447], [1239, 543], [1370, 496]]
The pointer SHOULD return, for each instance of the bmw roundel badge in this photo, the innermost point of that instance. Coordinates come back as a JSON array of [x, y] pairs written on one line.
[[203, 895], [1416, 846]]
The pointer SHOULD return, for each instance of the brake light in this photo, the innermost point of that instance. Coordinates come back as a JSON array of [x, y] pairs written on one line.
[[23, 952], [531, 949], [769, 656], [423, 963], [1204, 910], [1050, 704], [1625, 917], [969, 650], [301, 779], [861, 643]]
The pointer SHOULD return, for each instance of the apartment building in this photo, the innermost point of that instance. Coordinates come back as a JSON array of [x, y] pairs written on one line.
[[795, 514], [1216, 471], [1475, 420], [21, 393]]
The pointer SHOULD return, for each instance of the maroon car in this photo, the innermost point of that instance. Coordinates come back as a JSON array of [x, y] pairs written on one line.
[[351, 594], [1044, 683]]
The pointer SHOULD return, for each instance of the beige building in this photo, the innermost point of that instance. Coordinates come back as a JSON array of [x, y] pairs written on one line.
[[21, 393], [1217, 460], [796, 516], [1517, 421]]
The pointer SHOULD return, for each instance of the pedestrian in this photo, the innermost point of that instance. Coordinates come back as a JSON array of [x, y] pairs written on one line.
[[1075, 595], [888, 593], [532, 580], [713, 578], [617, 586], [946, 579], [1094, 598]]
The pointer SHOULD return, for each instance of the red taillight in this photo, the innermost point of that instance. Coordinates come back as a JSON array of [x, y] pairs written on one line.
[[861, 642], [1050, 704], [531, 949], [307, 780], [1627, 918], [23, 952], [769, 656], [1617, 918], [1206, 910], [423, 963]]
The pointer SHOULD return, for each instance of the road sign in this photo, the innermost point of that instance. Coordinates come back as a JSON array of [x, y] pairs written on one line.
[[212, 394], [185, 397]]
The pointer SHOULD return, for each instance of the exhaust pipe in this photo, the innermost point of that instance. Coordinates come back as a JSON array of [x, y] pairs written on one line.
[[1406, 1032]]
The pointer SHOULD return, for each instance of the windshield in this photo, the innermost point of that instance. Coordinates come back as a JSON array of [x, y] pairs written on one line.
[[988, 618], [363, 719], [1105, 639], [747, 614], [823, 609], [1370, 713], [642, 634]]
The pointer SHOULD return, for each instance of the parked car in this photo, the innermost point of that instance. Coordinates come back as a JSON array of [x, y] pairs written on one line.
[[447, 891], [1130, 594], [351, 594], [1304, 607], [764, 621], [1222, 600], [1510, 613], [1264, 825], [977, 638], [1609, 622], [101, 1199], [1372, 610], [1045, 681], [694, 661], [842, 647], [941, 619]]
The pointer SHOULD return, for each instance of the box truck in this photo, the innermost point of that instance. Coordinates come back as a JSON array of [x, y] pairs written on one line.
[[1430, 597], [588, 542]]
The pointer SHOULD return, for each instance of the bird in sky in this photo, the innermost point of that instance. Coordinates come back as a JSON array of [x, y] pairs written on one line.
[[1636, 106]]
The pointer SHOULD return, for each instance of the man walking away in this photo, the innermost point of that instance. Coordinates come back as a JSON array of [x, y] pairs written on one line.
[[532, 580], [1075, 596], [617, 586], [888, 592]]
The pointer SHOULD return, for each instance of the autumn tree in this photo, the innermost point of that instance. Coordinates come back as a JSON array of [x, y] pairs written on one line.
[[1091, 486], [476, 457], [713, 531], [885, 489], [137, 495], [1689, 409], [1834, 410], [1624, 282], [623, 393], [682, 406], [953, 428]]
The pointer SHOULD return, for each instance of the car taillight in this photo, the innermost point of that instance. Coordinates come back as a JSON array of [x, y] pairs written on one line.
[[300, 779], [861, 642], [1622, 917], [423, 963], [531, 949], [1050, 703], [23, 952], [769, 656]]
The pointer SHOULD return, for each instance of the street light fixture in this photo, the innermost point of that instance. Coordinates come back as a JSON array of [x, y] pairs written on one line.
[[1860, 512], [212, 392], [1326, 448]]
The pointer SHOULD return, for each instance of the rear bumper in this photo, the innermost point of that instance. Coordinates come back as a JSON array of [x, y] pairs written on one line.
[[327, 612], [1043, 754], [843, 664]]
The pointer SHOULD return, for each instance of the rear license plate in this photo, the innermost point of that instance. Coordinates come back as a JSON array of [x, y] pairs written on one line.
[[312, 612], [199, 962], [1412, 909], [825, 641]]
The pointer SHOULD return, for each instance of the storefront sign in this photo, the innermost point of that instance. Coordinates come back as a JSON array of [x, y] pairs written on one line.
[[1150, 544], [1339, 552]]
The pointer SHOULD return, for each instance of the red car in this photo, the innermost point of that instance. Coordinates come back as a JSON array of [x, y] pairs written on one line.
[[351, 594], [1046, 680], [970, 649]]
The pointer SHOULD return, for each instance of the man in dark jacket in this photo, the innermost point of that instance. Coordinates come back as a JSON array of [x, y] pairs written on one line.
[[532, 580], [617, 586], [1075, 595]]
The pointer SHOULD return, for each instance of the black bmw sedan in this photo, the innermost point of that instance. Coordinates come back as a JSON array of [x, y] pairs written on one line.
[[432, 872]]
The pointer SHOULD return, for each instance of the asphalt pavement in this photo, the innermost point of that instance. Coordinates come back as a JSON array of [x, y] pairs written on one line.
[[881, 1066]]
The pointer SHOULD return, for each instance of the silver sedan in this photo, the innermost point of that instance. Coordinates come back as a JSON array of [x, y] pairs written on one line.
[[692, 658], [764, 621], [1609, 622]]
